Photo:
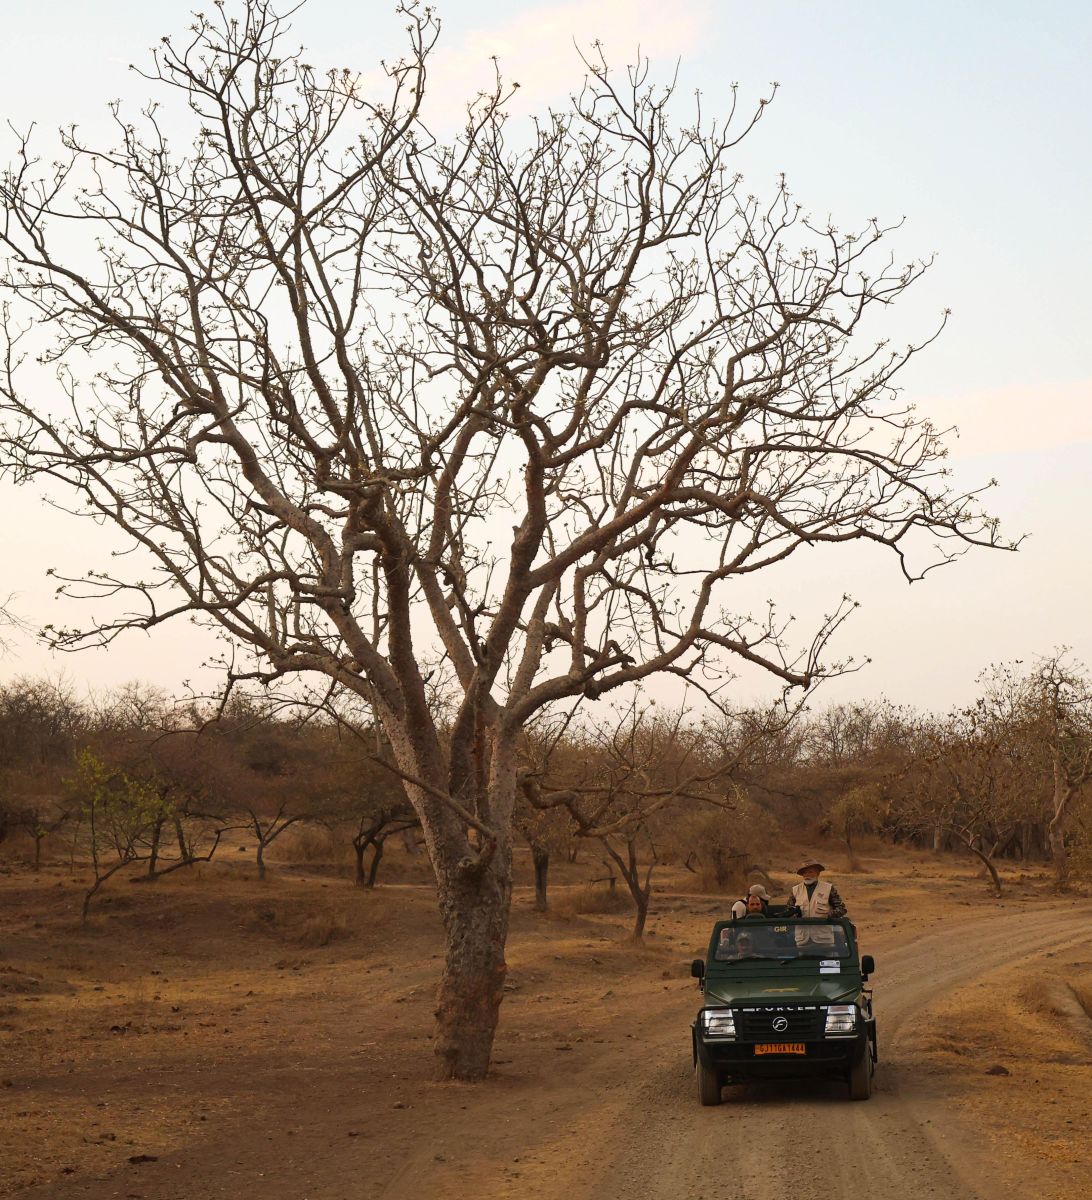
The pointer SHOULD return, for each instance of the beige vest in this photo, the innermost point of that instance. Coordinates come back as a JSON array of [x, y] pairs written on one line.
[[818, 905], [814, 937]]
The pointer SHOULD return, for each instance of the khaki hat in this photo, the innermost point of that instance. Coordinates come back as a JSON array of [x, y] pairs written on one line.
[[809, 862], [756, 889]]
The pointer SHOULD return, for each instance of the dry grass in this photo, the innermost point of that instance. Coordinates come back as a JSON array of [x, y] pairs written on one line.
[[734, 884], [312, 844], [322, 928], [193, 1017], [590, 898], [1082, 989]]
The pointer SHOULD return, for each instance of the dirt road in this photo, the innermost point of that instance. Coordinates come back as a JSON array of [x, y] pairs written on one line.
[[632, 1126], [306, 1077], [905, 1142]]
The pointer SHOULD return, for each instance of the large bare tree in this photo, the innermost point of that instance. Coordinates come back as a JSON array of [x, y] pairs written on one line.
[[522, 405]]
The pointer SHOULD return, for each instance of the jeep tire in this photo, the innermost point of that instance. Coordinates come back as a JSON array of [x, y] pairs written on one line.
[[860, 1073], [708, 1084]]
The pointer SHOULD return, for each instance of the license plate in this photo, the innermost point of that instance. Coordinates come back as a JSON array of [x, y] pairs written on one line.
[[781, 1048]]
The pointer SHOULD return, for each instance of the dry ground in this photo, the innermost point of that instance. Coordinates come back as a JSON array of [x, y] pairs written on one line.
[[244, 1039]]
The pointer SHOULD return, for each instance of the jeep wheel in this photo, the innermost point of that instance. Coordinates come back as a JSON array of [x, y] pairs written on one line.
[[708, 1085], [860, 1075]]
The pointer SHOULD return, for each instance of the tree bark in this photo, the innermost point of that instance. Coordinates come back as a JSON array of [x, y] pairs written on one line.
[[1063, 793], [541, 860], [640, 900], [359, 849], [153, 853], [180, 837], [854, 863], [260, 859], [1058, 855], [987, 862], [475, 905], [373, 867], [631, 873]]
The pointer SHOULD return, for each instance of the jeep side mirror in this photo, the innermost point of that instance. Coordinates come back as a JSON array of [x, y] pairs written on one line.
[[868, 965], [697, 968]]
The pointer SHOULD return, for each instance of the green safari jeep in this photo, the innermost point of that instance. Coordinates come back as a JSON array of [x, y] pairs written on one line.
[[784, 998]]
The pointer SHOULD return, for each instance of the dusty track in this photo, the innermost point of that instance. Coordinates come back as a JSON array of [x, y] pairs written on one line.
[[768, 1142], [630, 1124], [325, 1096]]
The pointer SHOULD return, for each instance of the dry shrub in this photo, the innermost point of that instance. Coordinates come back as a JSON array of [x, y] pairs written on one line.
[[322, 928], [1080, 864], [308, 930], [18, 846], [722, 847], [309, 844], [199, 872], [726, 875], [1064, 1004], [266, 918], [1080, 843], [1082, 989], [590, 898]]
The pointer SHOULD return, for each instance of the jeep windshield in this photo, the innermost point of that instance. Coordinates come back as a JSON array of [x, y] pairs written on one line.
[[783, 941]]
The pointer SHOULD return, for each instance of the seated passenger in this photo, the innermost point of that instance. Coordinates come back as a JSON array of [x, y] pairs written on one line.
[[745, 945], [756, 906], [760, 944], [739, 908]]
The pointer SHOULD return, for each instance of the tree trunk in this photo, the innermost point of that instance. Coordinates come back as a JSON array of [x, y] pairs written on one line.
[[1067, 781], [260, 859], [541, 860], [938, 839], [474, 905], [1063, 793], [180, 837], [722, 867], [987, 862], [373, 868], [631, 873], [359, 847], [1056, 841], [854, 863], [153, 853], [641, 898]]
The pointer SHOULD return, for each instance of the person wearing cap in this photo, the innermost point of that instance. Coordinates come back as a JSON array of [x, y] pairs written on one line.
[[814, 897], [739, 909]]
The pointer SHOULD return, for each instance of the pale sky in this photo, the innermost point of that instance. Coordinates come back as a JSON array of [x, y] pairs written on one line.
[[971, 119]]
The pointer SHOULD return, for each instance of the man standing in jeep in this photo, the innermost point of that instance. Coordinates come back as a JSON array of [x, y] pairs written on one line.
[[814, 897]]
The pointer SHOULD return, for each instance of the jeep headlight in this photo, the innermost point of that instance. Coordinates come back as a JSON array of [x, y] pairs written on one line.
[[841, 1018], [718, 1023]]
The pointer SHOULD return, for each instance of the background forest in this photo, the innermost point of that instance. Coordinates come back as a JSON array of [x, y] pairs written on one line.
[[140, 784]]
